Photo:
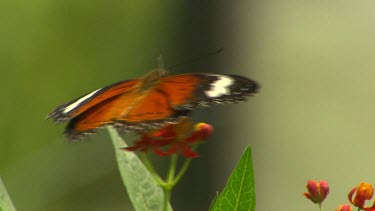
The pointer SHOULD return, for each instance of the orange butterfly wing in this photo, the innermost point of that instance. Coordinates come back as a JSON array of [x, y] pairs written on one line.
[[85, 102], [161, 101], [101, 114], [137, 109], [153, 106], [180, 89], [150, 101]]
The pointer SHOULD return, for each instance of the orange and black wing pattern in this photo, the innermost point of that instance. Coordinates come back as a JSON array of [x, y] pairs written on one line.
[[191, 91], [78, 106], [150, 102]]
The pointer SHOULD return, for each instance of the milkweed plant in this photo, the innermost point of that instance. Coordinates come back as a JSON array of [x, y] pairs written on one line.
[[147, 190], [317, 192]]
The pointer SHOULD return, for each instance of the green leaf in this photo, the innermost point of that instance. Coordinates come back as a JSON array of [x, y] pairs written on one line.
[[144, 192], [239, 193], [6, 203]]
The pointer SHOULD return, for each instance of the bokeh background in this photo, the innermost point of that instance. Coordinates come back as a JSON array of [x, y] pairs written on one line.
[[313, 120]]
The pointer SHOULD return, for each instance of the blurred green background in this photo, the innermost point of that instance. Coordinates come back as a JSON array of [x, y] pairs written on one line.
[[313, 120]]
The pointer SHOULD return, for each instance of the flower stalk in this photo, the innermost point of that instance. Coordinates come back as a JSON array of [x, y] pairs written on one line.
[[172, 178]]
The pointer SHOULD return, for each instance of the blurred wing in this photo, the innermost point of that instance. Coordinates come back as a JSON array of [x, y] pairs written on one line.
[[189, 91], [103, 113], [85, 102], [175, 95], [138, 108], [131, 111], [150, 112]]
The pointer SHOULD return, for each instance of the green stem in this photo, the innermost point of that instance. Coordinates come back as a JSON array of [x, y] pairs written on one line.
[[172, 178], [148, 165], [166, 185], [170, 181], [172, 168], [182, 171], [167, 197], [184, 167]]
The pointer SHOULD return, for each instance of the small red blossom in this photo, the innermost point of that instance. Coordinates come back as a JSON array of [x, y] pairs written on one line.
[[344, 207], [364, 192], [174, 139], [317, 192]]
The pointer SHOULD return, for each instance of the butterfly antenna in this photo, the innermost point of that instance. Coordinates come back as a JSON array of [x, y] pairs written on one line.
[[198, 58]]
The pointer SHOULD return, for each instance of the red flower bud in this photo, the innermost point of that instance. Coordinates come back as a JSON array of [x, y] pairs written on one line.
[[344, 207], [317, 192]]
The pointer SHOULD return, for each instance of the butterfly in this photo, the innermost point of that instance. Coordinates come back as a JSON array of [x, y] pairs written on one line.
[[150, 102]]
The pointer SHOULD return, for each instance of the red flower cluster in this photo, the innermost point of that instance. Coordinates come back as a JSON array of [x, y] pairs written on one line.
[[317, 192], [364, 192], [174, 139]]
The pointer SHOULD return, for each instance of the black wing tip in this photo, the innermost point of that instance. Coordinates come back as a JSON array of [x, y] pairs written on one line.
[[252, 85], [58, 116], [244, 87], [54, 115], [256, 88]]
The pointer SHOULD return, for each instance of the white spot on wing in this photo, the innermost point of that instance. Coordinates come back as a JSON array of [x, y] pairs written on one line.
[[80, 100], [220, 87]]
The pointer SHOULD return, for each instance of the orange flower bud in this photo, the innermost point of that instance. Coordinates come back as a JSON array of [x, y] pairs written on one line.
[[364, 192], [317, 192]]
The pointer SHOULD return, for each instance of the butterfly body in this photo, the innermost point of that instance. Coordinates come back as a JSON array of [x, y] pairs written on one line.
[[151, 101]]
